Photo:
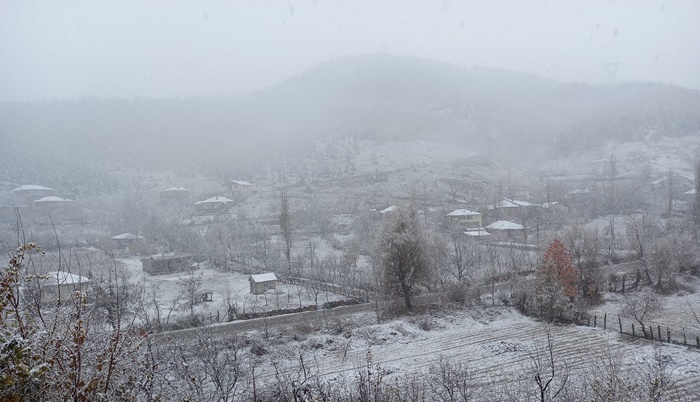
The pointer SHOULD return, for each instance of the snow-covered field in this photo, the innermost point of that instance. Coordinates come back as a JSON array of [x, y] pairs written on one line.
[[496, 344], [226, 288]]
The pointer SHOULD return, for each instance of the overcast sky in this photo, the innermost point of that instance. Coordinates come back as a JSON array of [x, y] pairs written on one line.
[[125, 48]]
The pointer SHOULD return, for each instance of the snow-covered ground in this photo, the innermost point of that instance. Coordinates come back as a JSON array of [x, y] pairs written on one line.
[[226, 288], [497, 345]]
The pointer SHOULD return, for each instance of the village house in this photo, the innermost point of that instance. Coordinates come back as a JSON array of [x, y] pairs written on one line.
[[509, 208], [129, 242], [25, 194], [168, 263], [506, 230], [174, 194], [461, 219], [261, 283], [477, 233], [53, 287], [213, 205], [388, 209], [238, 188]]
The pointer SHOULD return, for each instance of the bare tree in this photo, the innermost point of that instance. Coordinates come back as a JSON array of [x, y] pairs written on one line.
[[638, 234], [551, 372], [402, 254], [642, 305], [459, 257], [190, 287], [286, 226]]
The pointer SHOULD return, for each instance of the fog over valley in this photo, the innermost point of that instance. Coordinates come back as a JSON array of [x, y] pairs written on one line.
[[350, 201]]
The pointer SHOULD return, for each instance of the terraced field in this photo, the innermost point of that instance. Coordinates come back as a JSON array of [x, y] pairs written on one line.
[[497, 350]]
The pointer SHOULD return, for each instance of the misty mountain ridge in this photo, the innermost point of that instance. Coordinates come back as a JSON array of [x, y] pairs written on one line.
[[507, 116]]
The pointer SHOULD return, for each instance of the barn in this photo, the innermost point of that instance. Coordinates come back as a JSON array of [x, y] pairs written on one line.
[[261, 283]]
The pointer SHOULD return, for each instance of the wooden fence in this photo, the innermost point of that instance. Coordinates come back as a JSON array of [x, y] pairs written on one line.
[[651, 331]]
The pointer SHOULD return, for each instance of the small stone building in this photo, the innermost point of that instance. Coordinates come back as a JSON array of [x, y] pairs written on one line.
[[162, 264], [261, 283]]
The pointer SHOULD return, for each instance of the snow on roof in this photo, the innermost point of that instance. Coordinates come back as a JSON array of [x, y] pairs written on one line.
[[214, 200], [690, 192], [239, 182], [549, 204], [26, 187], [64, 278], [505, 225], [389, 209], [682, 175], [127, 236], [580, 191], [477, 232], [53, 198], [462, 212], [175, 189], [263, 277], [508, 203]]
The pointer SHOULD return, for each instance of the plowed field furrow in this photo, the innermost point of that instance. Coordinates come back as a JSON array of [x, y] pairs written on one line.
[[580, 348]]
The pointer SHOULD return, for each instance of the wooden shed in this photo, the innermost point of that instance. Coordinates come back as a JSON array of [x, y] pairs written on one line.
[[261, 283]]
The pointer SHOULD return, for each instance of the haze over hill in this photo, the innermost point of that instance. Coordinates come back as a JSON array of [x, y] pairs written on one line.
[[508, 116]]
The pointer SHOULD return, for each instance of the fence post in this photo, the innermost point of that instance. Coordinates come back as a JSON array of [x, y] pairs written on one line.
[[651, 332], [697, 342], [595, 321], [620, 321], [685, 343], [668, 335], [632, 329], [658, 329], [605, 321]]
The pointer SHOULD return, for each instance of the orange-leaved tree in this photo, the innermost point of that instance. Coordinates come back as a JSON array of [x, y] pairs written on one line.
[[556, 280]]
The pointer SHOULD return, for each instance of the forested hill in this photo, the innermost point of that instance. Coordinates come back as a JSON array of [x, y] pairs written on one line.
[[378, 96]]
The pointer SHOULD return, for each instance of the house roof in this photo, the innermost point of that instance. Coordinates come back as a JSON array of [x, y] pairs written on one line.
[[580, 191], [462, 212], [26, 187], [127, 236], [175, 189], [239, 182], [690, 192], [508, 203], [214, 200], [505, 225], [64, 278], [477, 232], [267, 277], [389, 209], [549, 204], [52, 198], [681, 175]]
